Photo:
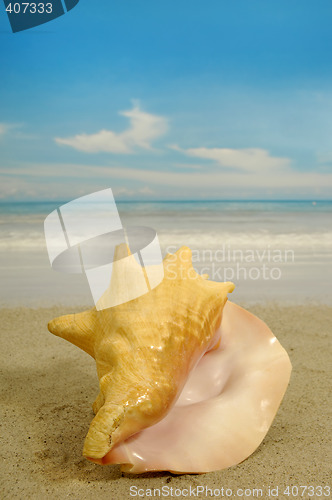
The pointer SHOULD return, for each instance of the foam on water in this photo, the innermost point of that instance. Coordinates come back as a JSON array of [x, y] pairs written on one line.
[[302, 242]]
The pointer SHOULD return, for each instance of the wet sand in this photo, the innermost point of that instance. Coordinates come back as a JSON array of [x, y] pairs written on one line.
[[48, 387]]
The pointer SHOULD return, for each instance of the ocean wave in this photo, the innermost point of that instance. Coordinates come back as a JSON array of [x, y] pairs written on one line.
[[211, 240], [248, 240]]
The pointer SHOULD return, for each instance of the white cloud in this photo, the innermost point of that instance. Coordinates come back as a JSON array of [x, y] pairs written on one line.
[[3, 128], [249, 160], [144, 129]]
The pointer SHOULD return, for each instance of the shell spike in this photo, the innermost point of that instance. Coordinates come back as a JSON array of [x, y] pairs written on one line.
[[98, 440], [76, 328]]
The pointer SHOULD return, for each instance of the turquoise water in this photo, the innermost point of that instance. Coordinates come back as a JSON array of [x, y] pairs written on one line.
[[42, 207]]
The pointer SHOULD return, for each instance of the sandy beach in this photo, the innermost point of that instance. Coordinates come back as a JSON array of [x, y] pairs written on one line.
[[48, 387], [129, 130]]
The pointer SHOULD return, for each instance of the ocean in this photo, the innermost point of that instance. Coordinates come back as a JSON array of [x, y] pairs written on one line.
[[272, 250]]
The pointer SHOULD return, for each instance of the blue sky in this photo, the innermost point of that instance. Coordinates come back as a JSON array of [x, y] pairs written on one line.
[[169, 100]]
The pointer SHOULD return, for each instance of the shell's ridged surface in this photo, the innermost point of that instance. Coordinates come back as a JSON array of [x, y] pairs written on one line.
[[145, 349]]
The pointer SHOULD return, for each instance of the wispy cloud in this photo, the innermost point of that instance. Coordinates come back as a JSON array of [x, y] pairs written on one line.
[[324, 159], [248, 160], [5, 127], [192, 166], [217, 180], [143, 130], [132, 182], [126, 192]]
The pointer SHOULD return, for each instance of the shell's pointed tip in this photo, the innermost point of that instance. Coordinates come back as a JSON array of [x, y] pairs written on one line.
[[185, 249], [184, 257], [57, 325], [230, 286], [51, 326], [121, 251]]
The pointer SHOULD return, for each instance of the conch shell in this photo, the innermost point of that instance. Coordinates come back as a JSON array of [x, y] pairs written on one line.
[[145, 349]]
